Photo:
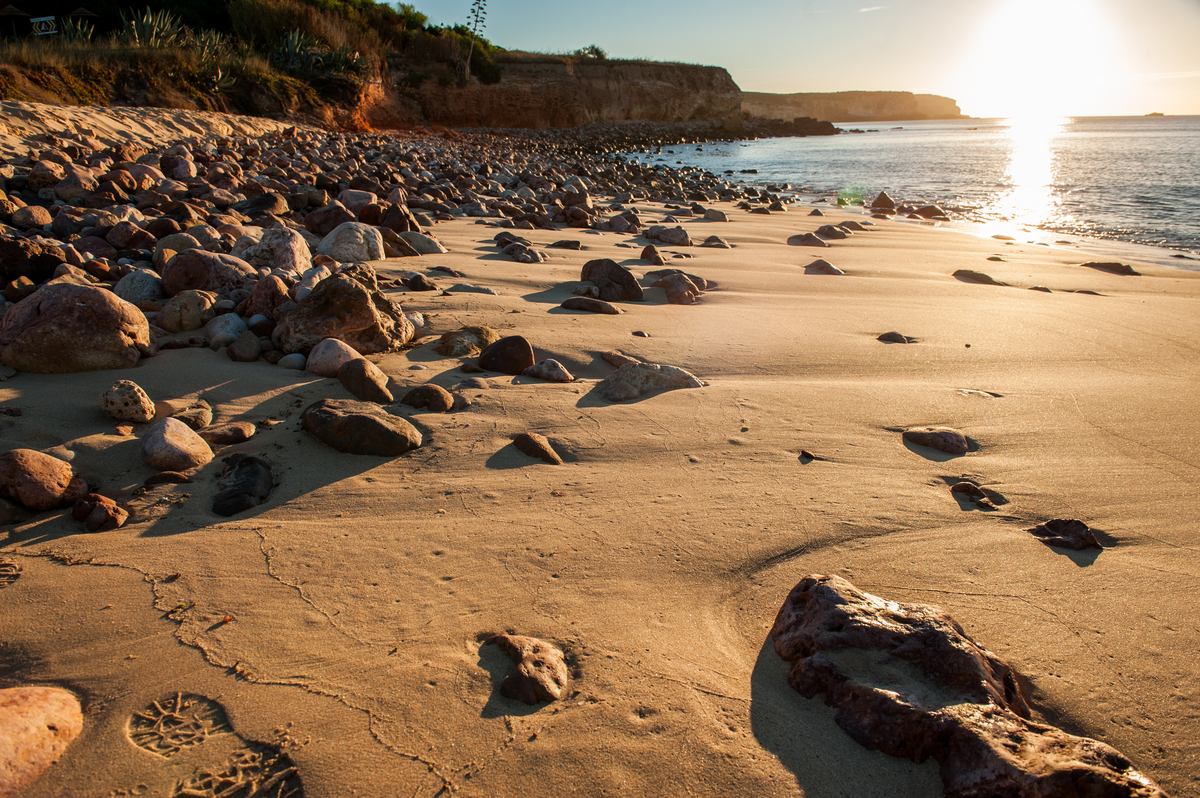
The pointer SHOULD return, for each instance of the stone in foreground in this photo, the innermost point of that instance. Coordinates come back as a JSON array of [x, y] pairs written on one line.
[[245, 483], [540, 673], [39, 481], [538, 446], [511, 355], [359, 428], [171, 445], [1066, 533], [944, 439], [36, 726], [632, 380], [906, 680]]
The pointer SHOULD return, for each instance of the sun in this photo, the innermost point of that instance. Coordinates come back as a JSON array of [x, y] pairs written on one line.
[[1039, 59]]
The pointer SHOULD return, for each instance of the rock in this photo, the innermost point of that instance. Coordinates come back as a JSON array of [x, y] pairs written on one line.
[[931, 212], [680, 289], [187, 310], [806, 240], [466, 341], [266, 203], [714, 215], [39, 481], [245, 483], [126, 401], [36, 726], [829, 231], [419, 282], [944, 439], [282, 249], [822, 266], [423, 244], [140, 285], [633, 380], [198, 269], [21, 257], [884, 201], [352, 241], [895, 338], [972, 492], [853, 226], [433, 398], [590, 305], [816, 212], [171, 445], [327, 358], [31, 216], [268, 295], [716, 242], [511, 355], [566, 243], [1066, 534], [906, 680], [246, 349], [295, 361], [64, 328], [364, 380], [615, 283], [550, 370], [1113, 268], [343, 308], [673, 236], [540, 673], [971, 276], [359, 428], [100, 513], [227, 434], [536, 446]]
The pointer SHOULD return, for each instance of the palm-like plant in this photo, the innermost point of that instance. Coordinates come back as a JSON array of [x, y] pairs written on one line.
[[157, 29]]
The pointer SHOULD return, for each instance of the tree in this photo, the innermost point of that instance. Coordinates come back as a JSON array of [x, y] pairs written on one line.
[[476, 18]]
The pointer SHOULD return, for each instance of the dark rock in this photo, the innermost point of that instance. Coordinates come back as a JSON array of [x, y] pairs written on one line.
[[267, 202], [359, 428], [1066, 534], [245, 483], [944, 439], [197, 415], [829, 231], [815, 212], [419, 282], [884, 201], [198, 269], [538, 446], [806, 240], [227, 434], [590, 305], [365, 381], [466, 341], [510, 355], [906, 680], [680, 290], [167, 478], [566, 244], [971, 276], [931, 212], [540, 673], [616, 283], [100, 513], [822, 266], [433, 398], [895, 338], [326, 219], [1113, 268], [246, 349]]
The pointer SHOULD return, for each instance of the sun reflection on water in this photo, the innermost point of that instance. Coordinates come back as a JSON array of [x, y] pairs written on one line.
[[1030, 200]]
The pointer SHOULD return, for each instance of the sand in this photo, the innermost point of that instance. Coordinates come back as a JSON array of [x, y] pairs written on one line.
[[340, 623]]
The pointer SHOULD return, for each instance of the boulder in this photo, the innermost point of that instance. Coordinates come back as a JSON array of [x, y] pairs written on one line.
[[511, 355], [884, 201], [140, 285], [198, 269], [126, 401], [325, 219], [549, 370], [352, 241], [615, 283], [21, 257], [246, 349], [39, 481], [282, 249], [466, 341], [63, 328], [364, 380], [343, 308], [171, 445], [266, 203], [327, 358], [99, 513], [679, 288], [359, 428], [905, 679], [433, 398], [36, 725], [423, 244], [674, 236], [187, 310]]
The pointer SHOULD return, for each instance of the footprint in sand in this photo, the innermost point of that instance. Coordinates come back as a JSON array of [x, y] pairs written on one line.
[[167, 727], [9, 573], [256, 771]]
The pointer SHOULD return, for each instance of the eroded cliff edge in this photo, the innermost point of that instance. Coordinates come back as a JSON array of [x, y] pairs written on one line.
[[851, 106]]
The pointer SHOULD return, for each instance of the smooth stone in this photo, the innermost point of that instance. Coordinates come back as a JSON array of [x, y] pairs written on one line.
[[364, 380], [295, 361], [806, 240], [590, 305], [1066, 533], [423, 244], [536, 446], [550, 370], [36, 725], [99, 513], [227, 434], [39, 481], [433, 398], [511, 355], [944, 439], [359, 428], [327, 357], [633, 380], [245, 483], [246, 349], [171, 445]]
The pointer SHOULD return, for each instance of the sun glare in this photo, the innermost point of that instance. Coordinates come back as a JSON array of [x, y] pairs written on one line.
[[1039, 59]]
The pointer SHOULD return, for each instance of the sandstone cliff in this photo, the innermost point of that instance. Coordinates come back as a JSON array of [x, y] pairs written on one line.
[[851, 106], [565, 92]]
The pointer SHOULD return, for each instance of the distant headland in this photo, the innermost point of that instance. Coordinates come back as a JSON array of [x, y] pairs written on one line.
[[851, 106]]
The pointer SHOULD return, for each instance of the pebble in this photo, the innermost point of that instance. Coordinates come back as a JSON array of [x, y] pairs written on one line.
[[126, 401]]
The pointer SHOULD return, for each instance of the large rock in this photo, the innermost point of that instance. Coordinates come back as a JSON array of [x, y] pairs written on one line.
[[616, 283], [511, 355], [63, 328], [343, 308], [280, 248], [205, 271], [423, 244], [140, 285], [187, 310], [364, 380], [268, 294], [36, 726], [39, 481], [906, 680], [352, 241], [633, 380], [20, 257], [327, 358], [171, 445], [325, 219], [675, 236], [359, 428]]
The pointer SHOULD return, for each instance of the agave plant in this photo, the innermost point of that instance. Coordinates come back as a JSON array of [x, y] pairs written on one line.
[[208, 44], [73, 31], [157, 29], [219, 82], [344, 61], [297, 52]]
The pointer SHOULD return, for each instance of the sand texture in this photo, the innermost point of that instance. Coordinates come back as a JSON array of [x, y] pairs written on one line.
[[329, 642]]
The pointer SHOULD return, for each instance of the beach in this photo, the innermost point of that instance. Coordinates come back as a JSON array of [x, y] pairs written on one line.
[[338, 628]]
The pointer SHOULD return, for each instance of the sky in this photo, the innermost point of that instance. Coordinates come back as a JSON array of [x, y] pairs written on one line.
[[996, 58]]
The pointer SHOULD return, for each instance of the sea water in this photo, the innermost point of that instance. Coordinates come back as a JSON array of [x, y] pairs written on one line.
[[1105, 179]]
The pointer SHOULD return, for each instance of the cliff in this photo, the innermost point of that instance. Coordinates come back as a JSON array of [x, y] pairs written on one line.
[[551, 91], [851, 106]]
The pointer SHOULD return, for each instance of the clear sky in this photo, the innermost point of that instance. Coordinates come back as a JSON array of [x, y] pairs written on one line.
[[995, 57]]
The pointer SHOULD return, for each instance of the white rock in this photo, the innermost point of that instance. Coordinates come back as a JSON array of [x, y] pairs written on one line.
[[351, 241], [226, 324], [423, 244], [280, 248]]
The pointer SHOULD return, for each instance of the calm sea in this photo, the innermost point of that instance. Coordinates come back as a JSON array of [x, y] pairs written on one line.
[[1122, 179]]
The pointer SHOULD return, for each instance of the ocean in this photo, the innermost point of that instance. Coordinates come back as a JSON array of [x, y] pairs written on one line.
[[1132, 180]]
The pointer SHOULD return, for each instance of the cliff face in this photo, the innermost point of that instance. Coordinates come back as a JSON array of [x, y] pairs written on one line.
[[851, 106], [544, 94]]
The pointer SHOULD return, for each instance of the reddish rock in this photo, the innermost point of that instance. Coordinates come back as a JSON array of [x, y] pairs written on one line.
[[1066, 533], [359, 428], [538, 446], [227, 434], [171, 445], [341, 307], [36, 726], [680, 290], [269, 294], [615, 282], [324, 220], [466, 341], [906, 680], [99, 512], [510, 355], [65, 328], [590, 305], [39, 481], [364, 380], [944, 439], [433, 398], [540, 673], [205, 271], [197, 415], [20, 257]]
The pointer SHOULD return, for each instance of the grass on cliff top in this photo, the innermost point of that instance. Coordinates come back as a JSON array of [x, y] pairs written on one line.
[[524, 57]]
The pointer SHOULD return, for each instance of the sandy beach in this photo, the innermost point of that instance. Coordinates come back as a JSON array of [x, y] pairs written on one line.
[[335, 631]]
